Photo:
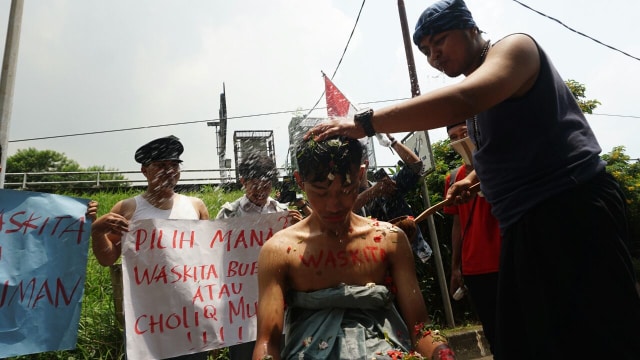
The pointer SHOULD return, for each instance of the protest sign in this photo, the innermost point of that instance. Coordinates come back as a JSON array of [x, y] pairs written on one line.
[[191, 285], [44, 240]]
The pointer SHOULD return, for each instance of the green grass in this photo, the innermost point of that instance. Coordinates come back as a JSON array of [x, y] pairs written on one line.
[[99, 335]]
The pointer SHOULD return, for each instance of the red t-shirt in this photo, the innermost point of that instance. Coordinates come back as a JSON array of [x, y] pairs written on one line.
[[481, 239]]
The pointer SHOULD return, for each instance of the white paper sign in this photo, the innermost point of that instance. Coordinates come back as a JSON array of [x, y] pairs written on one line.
[[191, 285]]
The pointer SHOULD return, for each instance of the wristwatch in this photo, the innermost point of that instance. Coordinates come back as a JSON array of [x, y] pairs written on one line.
[[363, 119]]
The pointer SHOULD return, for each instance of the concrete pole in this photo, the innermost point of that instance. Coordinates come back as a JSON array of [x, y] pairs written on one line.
[[415, 91], [7, 80]]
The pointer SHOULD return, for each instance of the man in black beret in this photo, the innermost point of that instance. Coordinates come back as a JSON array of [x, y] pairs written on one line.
[[160, 160], [168, 148]]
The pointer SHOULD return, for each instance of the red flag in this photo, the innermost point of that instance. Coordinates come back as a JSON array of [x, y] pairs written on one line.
[[337, 104]]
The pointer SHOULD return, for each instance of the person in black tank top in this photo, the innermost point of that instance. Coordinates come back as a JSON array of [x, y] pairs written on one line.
[[565, 271]]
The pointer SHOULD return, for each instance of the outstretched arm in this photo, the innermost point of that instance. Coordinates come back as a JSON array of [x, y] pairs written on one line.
[[509, 70]]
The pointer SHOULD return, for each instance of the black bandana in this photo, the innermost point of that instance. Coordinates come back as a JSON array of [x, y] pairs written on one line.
[[442, 16]]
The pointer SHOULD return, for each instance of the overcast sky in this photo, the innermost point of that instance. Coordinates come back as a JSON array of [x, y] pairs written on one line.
[[99, 66]]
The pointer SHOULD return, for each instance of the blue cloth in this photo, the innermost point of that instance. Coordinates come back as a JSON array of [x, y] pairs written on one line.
[[443, 16], [345, 322]]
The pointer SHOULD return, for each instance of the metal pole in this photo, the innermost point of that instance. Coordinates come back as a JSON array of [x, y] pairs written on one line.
[[408, 50], [7, 80], [415, 91]]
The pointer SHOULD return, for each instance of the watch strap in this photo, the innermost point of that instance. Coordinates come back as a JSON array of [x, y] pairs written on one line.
[[363, 119]]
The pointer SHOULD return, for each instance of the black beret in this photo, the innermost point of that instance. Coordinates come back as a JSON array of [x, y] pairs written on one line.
[[164, 148]]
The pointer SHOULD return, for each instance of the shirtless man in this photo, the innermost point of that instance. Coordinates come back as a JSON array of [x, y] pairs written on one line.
[[339, 273]]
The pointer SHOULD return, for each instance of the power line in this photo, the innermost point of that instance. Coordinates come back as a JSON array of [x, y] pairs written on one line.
[[239, 117], [353, 30], [576, 31], [616, 115]]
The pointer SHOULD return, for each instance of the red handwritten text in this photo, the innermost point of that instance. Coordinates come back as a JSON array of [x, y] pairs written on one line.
[[242, 310], [237, 268], [212, 292], [31, 292], [55, 227], [155, 239], [238, 238], [344, 258], [166, 274], [160, 323]]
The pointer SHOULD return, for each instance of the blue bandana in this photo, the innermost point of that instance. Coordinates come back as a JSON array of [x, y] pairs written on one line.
[[442, 16]]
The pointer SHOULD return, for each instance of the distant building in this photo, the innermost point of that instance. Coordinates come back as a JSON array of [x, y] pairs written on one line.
[[260, 141], [299, 125]]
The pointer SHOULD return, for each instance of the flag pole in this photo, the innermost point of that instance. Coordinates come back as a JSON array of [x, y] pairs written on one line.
[[415, 91]]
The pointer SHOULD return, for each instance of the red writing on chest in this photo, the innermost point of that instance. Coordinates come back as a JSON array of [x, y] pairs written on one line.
[[344, 258]]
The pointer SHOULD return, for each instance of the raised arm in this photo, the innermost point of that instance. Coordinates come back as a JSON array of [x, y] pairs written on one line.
[[407, 155]]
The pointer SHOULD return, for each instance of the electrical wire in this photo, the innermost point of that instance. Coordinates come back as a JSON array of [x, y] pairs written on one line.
[[315, 107], [576, 31], [353, 30], [182, 123], [239, 117]]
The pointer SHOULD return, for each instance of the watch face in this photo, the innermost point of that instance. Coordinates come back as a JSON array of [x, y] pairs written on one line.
[[363, 118]]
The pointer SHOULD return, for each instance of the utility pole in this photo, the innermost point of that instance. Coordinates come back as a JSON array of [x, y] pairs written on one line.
[[221, 134], [7, 80], [415, 91]]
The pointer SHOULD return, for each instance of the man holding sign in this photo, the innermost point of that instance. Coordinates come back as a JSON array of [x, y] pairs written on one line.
[[160, 160]]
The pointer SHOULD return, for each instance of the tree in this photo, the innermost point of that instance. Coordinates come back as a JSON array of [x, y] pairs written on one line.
[[57, 171], [627, 172], [33, 160], [578, 90]]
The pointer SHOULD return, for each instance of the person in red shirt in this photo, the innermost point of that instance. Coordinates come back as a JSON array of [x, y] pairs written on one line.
[[475, 239]]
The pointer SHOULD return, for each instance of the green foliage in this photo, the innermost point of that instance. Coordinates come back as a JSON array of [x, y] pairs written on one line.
[[33, 160], [51, 162], [627, 173], [578, 91]]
